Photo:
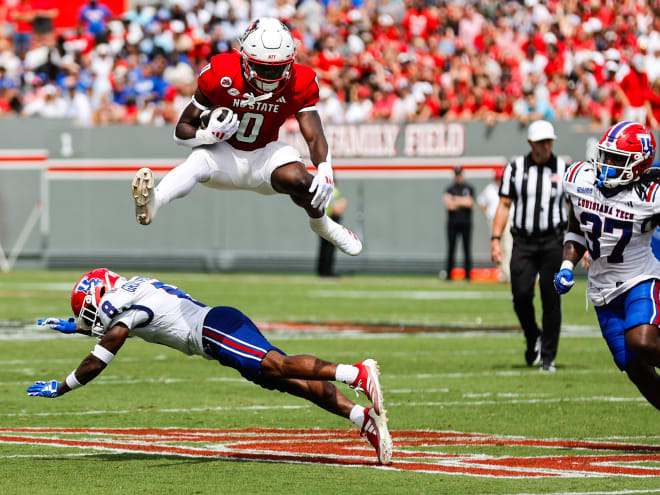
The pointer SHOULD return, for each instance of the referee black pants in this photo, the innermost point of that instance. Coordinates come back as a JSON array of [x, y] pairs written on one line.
[[542, 256]]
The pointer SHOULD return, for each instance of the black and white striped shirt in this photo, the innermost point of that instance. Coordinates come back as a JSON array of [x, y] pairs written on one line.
[[537, 195]]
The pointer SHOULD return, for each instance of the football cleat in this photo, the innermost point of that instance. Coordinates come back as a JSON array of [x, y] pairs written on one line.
[[548, 366], [367, 382], [143, 192], [338, 235], [375, 428], [533, 352]]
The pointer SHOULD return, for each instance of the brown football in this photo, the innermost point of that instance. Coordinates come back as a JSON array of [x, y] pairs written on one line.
[[221, 115]]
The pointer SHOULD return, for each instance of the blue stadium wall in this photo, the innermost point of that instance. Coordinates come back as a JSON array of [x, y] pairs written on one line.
[[65, 198]]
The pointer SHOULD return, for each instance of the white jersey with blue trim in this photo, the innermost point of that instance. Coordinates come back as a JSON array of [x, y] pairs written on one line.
[[156, 312], [617, 230]]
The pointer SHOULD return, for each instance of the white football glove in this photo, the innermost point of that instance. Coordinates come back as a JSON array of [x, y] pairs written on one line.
[[323, 185], [202, 136], [222, 129]]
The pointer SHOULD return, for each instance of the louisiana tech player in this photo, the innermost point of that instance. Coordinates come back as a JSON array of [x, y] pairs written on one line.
[[614, 210], [263, 87], [112, 308]]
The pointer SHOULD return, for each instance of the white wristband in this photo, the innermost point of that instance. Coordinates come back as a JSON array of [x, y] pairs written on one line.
[[103, 354], [72, 382], [566, 265]]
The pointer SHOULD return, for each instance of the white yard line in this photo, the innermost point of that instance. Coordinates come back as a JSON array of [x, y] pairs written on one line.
[[467, 403], [615, 492], [168, 411], [416, 294], [33, 286], [640, 400], [113, 380]]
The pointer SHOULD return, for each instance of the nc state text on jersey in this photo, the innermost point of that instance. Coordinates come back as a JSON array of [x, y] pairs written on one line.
[[606, 209], [259, 106]]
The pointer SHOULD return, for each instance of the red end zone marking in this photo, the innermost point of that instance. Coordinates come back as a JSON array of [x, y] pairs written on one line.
[[346, 448]]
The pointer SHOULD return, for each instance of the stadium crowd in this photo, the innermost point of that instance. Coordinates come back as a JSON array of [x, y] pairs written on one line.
[[376, 60]]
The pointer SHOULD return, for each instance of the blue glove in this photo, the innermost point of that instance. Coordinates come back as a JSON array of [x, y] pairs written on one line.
[[563, 281], [64, 326], [44, 389]]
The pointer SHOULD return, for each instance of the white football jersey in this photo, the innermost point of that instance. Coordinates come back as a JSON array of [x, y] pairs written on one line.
[[156, 312], [617, 230]]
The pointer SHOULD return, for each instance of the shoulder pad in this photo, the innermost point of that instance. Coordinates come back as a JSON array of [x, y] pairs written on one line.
[[577, 170]]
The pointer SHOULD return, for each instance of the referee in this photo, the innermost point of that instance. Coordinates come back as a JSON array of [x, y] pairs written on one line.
[[533, 185]]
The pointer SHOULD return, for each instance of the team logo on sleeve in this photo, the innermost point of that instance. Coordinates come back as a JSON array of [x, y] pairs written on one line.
[[225, 82]]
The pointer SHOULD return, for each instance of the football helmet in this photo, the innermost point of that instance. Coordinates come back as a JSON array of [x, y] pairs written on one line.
[[267, 51], [624, 152], [87, 294]]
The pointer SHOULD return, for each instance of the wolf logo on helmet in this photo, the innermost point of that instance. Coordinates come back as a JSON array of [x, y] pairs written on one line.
[[87, 294], [625, 151], [267, 52]]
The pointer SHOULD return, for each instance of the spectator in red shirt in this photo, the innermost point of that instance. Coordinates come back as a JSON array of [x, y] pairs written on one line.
[[383, 101], [556, 61], [653, 104], [418, 21], [635, 87], [330, 61]]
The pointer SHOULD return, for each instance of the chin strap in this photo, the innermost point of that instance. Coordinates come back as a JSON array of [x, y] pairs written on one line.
[[249, 99]]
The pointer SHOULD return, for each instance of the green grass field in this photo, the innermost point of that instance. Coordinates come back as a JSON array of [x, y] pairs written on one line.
[[466, 415]]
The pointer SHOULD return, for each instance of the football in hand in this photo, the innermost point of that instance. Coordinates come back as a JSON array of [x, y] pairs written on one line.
[[223, 114]]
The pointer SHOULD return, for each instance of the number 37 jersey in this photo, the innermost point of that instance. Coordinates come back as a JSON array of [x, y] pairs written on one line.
[[156, 312], [617, 230]]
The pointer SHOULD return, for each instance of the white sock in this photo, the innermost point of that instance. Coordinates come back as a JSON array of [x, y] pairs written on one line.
[[320, 224], [179, 181], [346, 373], [357, 415]]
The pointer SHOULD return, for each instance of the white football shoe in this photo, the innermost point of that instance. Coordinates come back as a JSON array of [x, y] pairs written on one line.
[[367, 382], [375, 428], [143, 194], [337, 234]]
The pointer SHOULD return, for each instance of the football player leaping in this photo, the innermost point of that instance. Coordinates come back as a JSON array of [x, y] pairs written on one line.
[[614, 210], [263, 87], [112, 308]]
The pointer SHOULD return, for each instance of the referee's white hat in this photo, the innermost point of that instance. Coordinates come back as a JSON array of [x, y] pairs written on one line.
[[540, 130]]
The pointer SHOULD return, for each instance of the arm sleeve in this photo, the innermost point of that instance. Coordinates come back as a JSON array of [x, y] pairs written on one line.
[[207, 80], [308, 94]]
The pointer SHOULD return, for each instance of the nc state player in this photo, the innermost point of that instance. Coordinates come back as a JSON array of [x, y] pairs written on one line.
[[112, 309], [614, 210], [263, 87]]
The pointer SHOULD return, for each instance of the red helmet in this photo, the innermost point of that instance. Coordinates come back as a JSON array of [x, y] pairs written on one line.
[[625, 151], [87, 294]]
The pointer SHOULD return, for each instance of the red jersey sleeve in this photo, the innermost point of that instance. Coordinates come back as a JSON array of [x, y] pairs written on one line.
[[218, 75], [305, 88]]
